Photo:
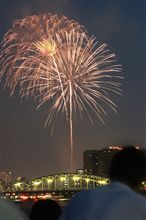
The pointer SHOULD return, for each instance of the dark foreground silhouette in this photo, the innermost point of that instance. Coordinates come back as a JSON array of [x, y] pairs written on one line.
[[117, 200], [45, 210]]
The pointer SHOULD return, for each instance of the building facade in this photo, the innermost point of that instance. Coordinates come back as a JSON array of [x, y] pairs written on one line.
[[90, 162], [104, 159], [97, 162], [5, 179]]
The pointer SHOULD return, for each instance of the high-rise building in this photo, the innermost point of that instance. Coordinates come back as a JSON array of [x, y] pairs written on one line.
[[97, 162], [6, 176], [104, 158], [5, 179], [90, 161]]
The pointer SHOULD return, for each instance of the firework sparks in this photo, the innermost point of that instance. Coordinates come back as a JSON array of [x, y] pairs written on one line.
[[54, 60]]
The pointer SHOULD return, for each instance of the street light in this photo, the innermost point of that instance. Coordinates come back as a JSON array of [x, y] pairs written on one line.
[[75, 178], [87, 181], [36, 184], [18, 185], [62, 179], [102, 182]]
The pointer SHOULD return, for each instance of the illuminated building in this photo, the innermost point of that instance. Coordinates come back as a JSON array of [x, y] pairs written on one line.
[[104, 157], [97, 162], [80, 171], [5, 179], [90, 162]]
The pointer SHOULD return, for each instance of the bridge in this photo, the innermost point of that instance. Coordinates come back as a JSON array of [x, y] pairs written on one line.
[[58, 182], [60, 187]]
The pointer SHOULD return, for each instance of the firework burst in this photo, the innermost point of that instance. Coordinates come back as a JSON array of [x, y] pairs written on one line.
[[53, 59]]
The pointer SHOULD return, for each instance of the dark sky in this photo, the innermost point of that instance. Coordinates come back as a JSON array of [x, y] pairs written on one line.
[[26, 146]]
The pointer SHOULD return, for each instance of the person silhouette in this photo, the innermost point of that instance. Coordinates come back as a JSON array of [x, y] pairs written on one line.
[[45, 210], [117, 200], [10, 211]]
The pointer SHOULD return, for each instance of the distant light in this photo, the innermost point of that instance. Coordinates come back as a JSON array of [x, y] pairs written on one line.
[[137, 147], [76, 178], [49, 180], [80, 171], [62, 178], [87, 180], [24, 197], [46, 196], [18, 184], [36, 183], [115, 148], [102, 182]]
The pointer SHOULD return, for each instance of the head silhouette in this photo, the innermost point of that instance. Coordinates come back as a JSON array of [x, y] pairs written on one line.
[[129, 166], [45, 210]]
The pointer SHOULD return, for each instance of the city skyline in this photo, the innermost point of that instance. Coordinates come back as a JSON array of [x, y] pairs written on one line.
[[26, 146], [99, 162]]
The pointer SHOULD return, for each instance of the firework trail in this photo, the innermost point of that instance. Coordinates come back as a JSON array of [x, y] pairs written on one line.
[[54, 60]]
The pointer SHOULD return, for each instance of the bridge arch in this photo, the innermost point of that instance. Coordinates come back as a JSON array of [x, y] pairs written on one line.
[[58, 182]]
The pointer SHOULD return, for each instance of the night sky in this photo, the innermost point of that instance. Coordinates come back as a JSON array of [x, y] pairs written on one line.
[[26, 146]]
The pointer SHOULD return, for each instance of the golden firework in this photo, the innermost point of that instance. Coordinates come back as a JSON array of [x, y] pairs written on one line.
[[53, 58]]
